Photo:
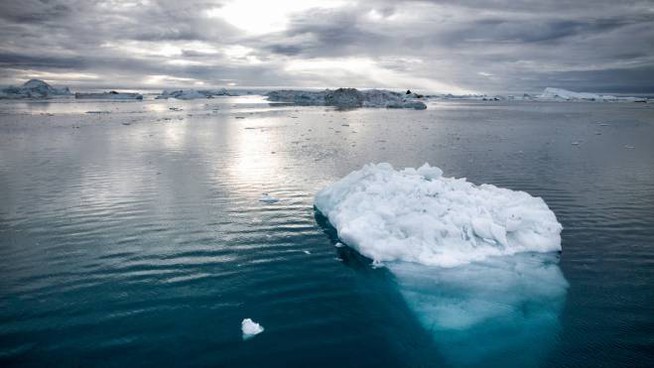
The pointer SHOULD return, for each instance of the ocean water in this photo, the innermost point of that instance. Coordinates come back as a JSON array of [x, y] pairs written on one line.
[[132, 235]]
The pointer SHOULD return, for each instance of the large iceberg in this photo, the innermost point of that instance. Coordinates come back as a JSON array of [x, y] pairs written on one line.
[[33, 89], [476, 264], [348, 97], [419, 216]]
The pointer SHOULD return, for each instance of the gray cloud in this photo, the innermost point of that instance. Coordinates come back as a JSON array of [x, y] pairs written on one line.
[[487, 46]]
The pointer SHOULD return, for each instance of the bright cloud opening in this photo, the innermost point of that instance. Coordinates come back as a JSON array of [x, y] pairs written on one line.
[[257, 17]]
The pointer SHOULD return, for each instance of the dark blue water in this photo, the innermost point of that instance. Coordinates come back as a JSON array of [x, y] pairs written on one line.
[[134, 237]]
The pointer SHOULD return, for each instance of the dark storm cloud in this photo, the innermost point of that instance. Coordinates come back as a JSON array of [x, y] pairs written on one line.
[[34, 11], [496, 45], [36, 61]]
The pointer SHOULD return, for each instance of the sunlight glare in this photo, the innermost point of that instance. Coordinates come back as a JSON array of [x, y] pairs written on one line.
[[259, 17]]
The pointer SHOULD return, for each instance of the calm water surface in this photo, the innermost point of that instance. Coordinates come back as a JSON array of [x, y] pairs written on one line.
[[133, 236]]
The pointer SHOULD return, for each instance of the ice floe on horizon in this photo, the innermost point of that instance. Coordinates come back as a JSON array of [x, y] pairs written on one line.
[[548, 94], [341, 97]]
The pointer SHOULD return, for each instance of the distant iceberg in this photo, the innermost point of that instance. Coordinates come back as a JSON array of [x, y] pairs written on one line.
[[476, 264], [192, 94], [111, 95], [348, 98], [33, 89], [549, 94], [558, 93]]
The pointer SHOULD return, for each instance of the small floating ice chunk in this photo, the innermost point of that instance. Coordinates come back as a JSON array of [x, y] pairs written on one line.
[[627, 146], [339, 245], [266, 198], [250, 328]]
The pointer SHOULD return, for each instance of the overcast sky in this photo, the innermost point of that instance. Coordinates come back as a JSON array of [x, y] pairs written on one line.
[[438, 46]]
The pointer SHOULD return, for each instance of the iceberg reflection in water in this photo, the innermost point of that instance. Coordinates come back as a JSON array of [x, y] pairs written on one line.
[[500, 312]]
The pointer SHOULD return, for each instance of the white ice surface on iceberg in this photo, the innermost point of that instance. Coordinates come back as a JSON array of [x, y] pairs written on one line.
[[422, 217], [477, 265], [250, 328]]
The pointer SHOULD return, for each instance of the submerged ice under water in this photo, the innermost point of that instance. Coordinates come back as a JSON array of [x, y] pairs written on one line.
[[503, 311]]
